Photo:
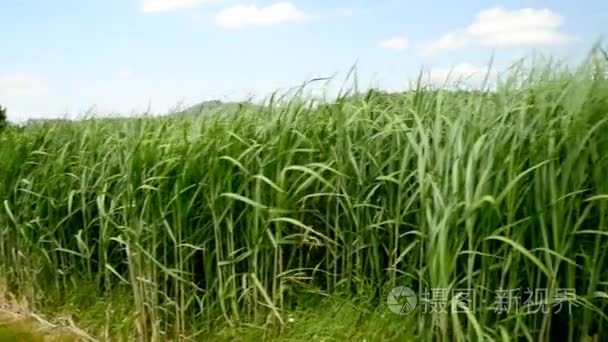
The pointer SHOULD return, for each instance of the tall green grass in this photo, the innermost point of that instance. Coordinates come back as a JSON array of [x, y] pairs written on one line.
[[194, 222]]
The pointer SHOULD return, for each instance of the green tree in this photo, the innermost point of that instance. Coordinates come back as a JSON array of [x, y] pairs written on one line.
[[3, 122]]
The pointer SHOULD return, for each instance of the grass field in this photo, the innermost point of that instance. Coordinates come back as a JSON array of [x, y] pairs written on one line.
[[295, 219]]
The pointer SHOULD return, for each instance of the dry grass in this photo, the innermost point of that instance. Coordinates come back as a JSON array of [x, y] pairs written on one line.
[[18, 323]]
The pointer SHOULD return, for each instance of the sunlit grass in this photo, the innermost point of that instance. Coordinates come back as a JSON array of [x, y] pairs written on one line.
[[185, 227]]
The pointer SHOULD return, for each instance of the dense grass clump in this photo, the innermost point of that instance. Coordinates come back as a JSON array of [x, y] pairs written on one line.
[[168, 228]]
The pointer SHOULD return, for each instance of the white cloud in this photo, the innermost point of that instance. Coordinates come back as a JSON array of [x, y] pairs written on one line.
[[395, 43], [463, 73], [22, 84], [155, 6], [515, 28], [242, 16], [498, 27], [449, 41]]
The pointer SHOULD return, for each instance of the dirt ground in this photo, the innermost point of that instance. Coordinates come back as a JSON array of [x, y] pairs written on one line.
[[19, 324]]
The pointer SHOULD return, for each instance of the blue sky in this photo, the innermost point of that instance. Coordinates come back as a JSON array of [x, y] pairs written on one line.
[[64, 57]]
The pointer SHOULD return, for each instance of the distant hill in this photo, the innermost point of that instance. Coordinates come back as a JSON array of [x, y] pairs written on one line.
[[214, 107], [205, 106]]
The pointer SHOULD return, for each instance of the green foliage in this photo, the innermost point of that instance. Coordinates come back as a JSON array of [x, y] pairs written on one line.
[[200, 222], [3, 118]]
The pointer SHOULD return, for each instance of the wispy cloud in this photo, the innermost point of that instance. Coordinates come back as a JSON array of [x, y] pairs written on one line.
[[463, 73], [22, 84], [395, 43], [498, 27], [156, 6], [240, 17]]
